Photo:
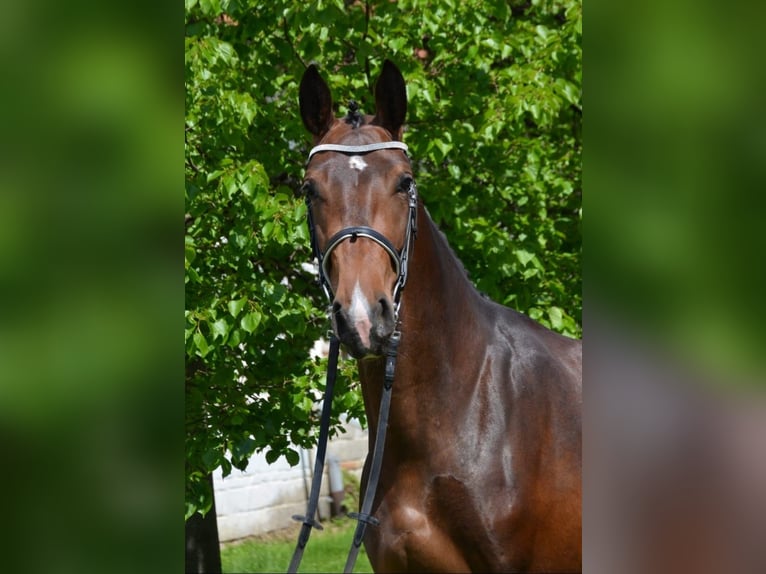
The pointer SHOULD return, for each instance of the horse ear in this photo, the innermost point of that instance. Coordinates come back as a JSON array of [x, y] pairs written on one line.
[[390, 100], [316, 103]]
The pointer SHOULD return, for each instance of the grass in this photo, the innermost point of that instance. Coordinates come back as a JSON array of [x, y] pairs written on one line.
[[326, 551]]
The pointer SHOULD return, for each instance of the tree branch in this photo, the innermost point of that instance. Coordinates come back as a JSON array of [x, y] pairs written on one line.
[[290, 42]]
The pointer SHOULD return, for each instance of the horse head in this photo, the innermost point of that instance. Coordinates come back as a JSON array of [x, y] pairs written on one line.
[[361, 207]]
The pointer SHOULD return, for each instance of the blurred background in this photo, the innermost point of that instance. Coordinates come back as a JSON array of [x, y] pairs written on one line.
[[674, 179], [91, 277], [91, 403]]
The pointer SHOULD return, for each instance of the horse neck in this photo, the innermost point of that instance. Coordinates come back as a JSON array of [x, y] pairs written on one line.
[[438, 293], [438, 312]]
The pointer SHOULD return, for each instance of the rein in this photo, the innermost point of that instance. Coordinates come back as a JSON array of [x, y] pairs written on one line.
[[324, 427], [400, 258]]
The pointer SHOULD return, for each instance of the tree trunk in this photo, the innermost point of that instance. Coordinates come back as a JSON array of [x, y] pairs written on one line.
[[203, 553]]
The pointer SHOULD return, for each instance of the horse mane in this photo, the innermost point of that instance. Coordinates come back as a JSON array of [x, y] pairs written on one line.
[[354, 117], [452, 252]]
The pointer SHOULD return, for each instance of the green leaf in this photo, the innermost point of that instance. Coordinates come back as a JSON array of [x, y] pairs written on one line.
[[257, 177], [555, 314], [247, 187], [235, 338], [293, 458], [210, 7], [230, 186], [243, 448], [220, 329], [189, 253], [201, 344], [236, 305], [530, 272], [225, 467], [524, 256], [442, 146], [250, 321], [301, 234], [272, 456], [210, 459], [213, 175], [191, 508]]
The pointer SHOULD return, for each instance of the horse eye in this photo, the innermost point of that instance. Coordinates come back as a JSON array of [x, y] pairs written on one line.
[[405, 182], [309, 189]]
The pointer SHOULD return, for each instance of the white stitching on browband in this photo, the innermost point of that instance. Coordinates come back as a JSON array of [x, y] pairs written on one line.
[[358, 148]]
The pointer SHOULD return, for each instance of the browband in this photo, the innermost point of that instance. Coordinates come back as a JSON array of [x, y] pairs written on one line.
[[358, 148]]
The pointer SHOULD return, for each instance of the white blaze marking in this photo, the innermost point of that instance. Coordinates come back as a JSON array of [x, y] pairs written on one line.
[[359, 313], [356, 162]]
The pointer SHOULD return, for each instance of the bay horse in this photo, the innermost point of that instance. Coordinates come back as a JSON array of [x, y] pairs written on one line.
[[482, 463]]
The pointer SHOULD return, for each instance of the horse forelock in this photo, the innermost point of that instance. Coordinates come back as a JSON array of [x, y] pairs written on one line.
[[354, 117], [344, 133]]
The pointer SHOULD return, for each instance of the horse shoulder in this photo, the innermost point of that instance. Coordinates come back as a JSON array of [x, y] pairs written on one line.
[[412, 537], [543, 394], [539, 357]]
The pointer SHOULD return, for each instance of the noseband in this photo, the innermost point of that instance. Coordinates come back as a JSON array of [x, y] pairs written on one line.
[[400, 258]]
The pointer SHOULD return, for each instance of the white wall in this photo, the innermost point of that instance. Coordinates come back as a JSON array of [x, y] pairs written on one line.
[[264, 497]]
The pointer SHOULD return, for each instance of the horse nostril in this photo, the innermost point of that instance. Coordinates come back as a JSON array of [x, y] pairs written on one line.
[[340, 321], [386, 310]]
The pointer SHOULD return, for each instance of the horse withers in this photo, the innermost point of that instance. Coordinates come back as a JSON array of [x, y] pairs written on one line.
[[482, 463]]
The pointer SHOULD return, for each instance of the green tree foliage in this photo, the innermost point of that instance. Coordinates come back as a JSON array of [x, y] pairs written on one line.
[[494, 129]]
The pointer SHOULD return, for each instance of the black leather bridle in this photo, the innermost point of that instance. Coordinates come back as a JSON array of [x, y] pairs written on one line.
[[400, 259]]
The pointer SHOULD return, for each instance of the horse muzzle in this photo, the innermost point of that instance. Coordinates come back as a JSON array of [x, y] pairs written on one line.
[[364, 327]]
